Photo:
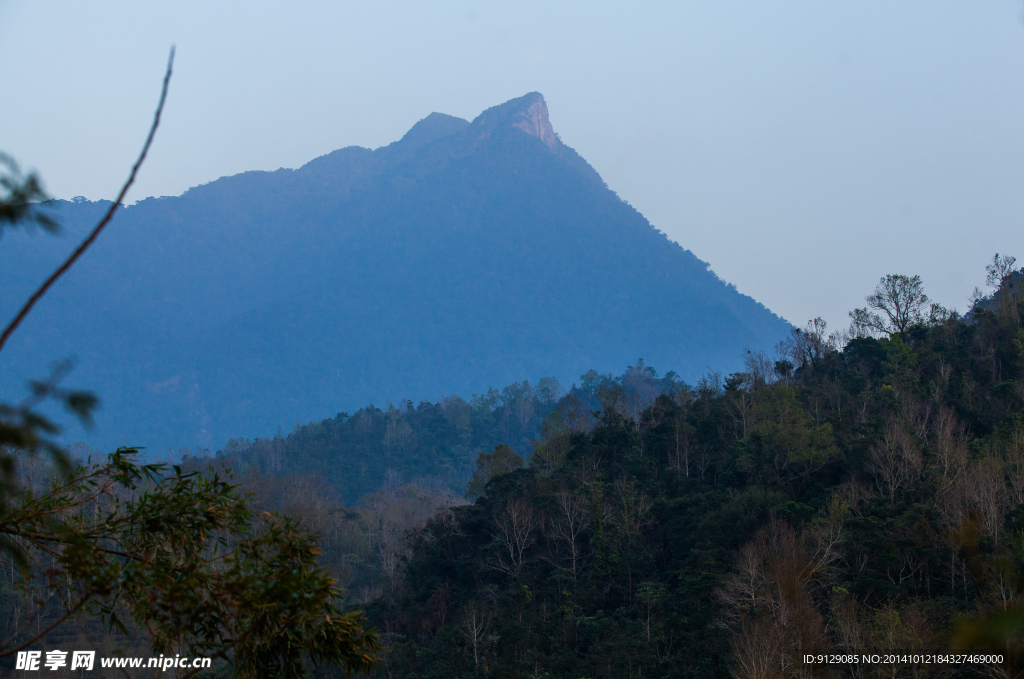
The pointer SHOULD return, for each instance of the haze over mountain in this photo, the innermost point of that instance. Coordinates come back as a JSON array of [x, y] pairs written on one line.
[[467, 254]]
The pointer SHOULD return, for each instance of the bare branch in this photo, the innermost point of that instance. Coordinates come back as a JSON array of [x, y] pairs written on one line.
[[46, 631], [13, 325]]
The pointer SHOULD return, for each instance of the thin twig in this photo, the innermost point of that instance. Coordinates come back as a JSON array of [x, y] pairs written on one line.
[[38, 540], [103, 222], [103, 489], [56, 492], [45, 631]]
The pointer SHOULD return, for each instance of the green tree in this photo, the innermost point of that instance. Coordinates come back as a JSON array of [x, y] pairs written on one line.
[[901, 301], [792, 445], [489, 465], [182, 556]]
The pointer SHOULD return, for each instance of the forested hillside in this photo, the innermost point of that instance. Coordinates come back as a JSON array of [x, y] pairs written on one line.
[[431, 444], [463, 256], [854, 493]]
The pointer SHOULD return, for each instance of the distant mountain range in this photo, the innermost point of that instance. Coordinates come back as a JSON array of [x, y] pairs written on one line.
[[467, 254]]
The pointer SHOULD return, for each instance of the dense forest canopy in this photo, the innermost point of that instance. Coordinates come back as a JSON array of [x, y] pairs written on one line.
[[858, 492], [432, 444]]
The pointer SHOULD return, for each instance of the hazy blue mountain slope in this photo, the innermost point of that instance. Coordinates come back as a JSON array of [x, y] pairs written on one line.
[[464, 255]]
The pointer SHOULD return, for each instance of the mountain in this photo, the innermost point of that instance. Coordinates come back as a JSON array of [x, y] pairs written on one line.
[[463, 255]]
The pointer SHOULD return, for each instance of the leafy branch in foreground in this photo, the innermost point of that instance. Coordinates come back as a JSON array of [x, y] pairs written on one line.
[[21, 427], [182, 556], [22, 192], [178, 555]]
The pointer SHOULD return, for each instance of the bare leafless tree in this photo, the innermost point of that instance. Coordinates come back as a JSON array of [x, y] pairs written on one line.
[[988, 493], [741, 407], [517, 531], [758, 651], [895, 460], [768, 606], [823, 537], [1013, 453], [679, 453], [845, 623], [476, 623], [639, 390], [632, 515], [950, 444], [855, 495], [743, 590], [565, 531], [703, 458], [806, 344], [1000, 268], [759, 368]]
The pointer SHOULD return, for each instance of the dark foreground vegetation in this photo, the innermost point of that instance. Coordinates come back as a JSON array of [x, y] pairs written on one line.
[[825, 500], [125, 559]]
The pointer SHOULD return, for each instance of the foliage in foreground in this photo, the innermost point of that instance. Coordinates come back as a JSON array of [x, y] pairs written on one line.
[[181, 558]]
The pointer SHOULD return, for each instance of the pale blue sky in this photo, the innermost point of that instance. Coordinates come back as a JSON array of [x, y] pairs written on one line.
[[802, 147]]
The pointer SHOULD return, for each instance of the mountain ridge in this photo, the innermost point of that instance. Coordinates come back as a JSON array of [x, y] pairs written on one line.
[[463, 255]]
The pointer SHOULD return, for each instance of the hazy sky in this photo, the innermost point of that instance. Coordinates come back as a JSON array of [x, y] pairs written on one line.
[[803, 148]]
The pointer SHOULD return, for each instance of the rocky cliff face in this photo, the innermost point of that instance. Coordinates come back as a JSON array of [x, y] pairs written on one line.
[[534, 120], [528, 113]]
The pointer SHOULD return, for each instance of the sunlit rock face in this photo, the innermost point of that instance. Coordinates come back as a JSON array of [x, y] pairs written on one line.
[[534, 120]]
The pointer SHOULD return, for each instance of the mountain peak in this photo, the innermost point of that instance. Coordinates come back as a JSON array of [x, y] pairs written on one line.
[[450, 260], [433, 127], [528, 113]]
